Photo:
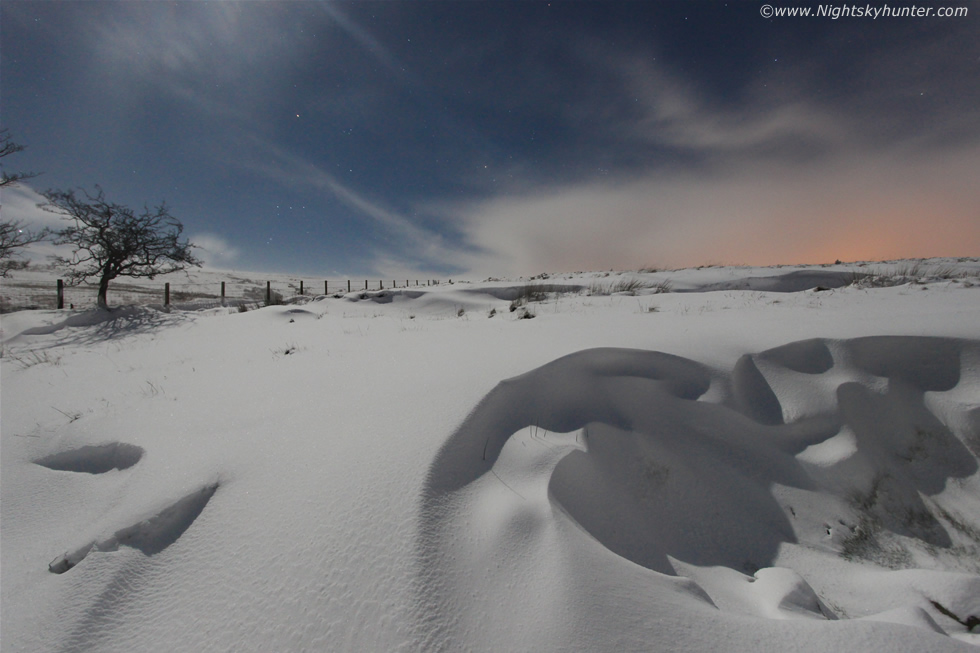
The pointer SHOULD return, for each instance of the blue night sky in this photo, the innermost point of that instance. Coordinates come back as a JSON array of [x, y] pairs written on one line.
[[473, 138]]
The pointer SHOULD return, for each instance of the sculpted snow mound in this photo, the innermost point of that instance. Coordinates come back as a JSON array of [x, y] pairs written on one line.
[[658, 471]]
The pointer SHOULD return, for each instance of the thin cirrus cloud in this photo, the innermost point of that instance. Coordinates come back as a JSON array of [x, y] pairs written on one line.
[[229, 63], [219, 56], [230, 58], [409, 247]]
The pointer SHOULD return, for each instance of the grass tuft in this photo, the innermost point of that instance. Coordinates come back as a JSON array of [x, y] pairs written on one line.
[[629, 286], [33, 358], [288, 350], [912, 272]]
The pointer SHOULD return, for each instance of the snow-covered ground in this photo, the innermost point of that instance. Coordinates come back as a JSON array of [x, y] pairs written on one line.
[[743, 463]]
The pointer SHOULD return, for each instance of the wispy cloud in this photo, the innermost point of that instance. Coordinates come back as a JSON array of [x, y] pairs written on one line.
[[863, 207], [770, 178], [22, 205], [215, 251], [363, 37], [673, 115], [407, 245], [790, 175], [221, 57]]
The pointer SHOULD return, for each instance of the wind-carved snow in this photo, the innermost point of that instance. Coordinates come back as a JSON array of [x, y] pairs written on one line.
[[698, 490], [149, 536]]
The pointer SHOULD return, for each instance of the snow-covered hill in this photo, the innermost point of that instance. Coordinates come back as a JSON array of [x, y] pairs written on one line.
[[758, 459]]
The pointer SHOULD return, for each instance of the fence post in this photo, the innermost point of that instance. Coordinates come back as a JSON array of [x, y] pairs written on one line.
[[348, 285], [365, 284], [268, 293], [325, 286], [166, 294], [222, 293], [301, 287], [61, 293]]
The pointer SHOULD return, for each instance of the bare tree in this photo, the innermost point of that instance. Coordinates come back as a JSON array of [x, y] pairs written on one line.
[[8, 147], [13, 234], [111, 240]]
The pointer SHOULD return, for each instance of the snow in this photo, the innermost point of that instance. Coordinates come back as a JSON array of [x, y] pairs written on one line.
[[745, 462]]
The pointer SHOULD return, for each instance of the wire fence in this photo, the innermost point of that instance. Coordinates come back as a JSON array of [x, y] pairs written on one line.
[[36, 295]]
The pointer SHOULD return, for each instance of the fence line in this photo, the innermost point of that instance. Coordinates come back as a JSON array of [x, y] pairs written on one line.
[[191, 294]]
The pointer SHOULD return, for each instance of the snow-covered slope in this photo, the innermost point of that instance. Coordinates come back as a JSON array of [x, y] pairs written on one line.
[[425, 469]]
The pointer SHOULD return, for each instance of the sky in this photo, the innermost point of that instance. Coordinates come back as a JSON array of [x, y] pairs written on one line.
[[504, 138]]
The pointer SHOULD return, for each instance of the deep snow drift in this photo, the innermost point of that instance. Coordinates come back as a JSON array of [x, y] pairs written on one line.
[[777, 459]]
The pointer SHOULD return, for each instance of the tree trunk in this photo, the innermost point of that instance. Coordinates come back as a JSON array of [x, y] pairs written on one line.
[[103, 290]]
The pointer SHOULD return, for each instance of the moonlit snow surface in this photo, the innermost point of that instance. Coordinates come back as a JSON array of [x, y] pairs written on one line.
[[762, 459]]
